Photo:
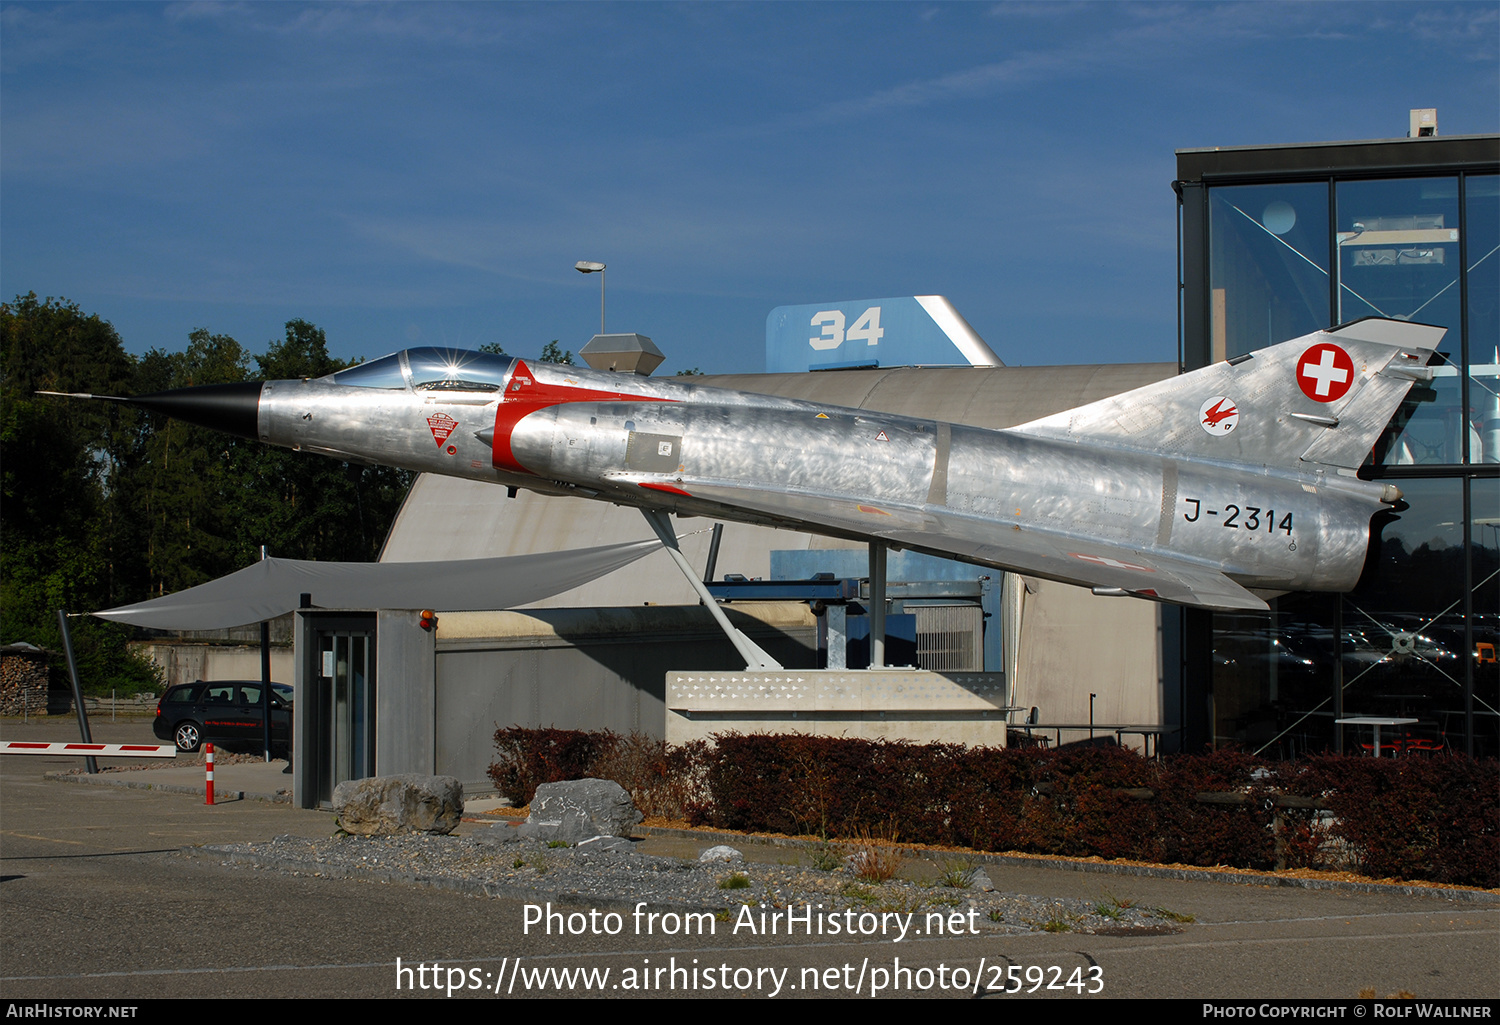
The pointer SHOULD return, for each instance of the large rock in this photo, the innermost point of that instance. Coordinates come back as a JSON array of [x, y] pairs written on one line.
[[579, 809], [409, 803]]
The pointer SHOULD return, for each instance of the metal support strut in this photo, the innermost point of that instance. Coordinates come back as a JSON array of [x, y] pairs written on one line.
[[751, 652], [877, 605], [90, 763]]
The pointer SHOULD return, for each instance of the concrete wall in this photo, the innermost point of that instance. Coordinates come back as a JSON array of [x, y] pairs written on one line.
[[882, 704], [186, 661], [571, 668], [405, 693], [1073, 643]]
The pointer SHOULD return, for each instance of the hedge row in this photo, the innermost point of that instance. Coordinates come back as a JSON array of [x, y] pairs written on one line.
[[1436, 819]]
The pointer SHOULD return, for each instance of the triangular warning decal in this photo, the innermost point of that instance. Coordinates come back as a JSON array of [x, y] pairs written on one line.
[[441, 425]]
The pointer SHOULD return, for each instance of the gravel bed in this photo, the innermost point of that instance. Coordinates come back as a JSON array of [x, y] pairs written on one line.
[[588, 876]]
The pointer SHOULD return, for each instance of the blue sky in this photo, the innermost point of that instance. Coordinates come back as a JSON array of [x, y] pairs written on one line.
[[429, 173]]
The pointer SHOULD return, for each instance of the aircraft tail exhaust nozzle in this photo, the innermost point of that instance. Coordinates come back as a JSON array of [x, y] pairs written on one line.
[[232, 408]]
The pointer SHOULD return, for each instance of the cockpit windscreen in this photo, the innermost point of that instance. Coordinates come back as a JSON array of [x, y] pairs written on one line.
[[431, 369], [384, 372]]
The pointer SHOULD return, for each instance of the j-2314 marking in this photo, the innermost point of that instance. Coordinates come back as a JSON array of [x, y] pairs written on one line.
[[1232, 517]]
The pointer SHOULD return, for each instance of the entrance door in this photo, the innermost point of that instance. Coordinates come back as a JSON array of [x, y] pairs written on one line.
[[345, 661]]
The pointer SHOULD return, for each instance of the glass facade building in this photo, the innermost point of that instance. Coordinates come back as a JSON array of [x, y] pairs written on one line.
[[1276, 242]]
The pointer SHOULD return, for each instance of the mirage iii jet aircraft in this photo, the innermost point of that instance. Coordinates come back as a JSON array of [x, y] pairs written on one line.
[[1216, 488]]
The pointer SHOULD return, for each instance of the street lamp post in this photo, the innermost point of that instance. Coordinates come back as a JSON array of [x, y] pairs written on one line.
[[590, 267]]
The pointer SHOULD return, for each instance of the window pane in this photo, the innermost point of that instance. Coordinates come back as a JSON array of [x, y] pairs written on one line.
[[1273, 677], [1268, 265], [1482, 196], [1484, 503], [1398, 258], [1403, 633]]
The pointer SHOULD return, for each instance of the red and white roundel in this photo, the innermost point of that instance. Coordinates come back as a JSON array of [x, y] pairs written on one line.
[[1218, 416], [1325, 373]]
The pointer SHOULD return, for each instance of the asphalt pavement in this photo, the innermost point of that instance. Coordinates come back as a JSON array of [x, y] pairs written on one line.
[[98, 900]]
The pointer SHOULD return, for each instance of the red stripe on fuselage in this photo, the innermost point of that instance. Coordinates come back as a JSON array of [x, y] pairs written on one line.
[[525, 395]]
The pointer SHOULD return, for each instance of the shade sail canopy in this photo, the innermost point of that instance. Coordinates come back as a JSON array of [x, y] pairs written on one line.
[[273, 587]]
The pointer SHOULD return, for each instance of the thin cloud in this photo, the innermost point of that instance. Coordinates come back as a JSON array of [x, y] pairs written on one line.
[[1155, 32], [1136, 44], [205, 10], [460, 26], [1476, 26], [1049, 11]]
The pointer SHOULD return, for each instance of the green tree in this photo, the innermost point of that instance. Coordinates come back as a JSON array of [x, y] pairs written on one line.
[[302, 353], [551, 353], [65, 542], [105, 504], [184, 484]]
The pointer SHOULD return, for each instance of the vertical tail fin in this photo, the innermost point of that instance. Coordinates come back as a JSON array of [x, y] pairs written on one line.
[[1318, 400]]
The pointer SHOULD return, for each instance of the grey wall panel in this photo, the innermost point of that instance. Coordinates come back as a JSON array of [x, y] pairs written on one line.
[[186, 661], [404, 694], [597, 669], [1074, 643], [478, 691]]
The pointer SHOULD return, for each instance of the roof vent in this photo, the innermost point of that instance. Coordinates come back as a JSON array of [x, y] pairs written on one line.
[[1423, 123], [629, 353]]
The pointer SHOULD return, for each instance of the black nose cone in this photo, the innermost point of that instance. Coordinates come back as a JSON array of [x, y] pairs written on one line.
[[231, 408]]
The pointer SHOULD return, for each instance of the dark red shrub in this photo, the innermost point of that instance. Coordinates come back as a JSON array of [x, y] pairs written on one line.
[[1081, 809], [525, 758], [1195, 833], [1436, 819]]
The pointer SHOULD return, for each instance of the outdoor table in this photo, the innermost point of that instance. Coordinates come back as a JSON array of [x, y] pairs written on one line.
[[1146, 730], [1375, 722], [1150, 737]]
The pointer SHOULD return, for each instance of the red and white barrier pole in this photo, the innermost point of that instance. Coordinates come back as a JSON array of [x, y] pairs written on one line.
[[208, 749], [27, 747]]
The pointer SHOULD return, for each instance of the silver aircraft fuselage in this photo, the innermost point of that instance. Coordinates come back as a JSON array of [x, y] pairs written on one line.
[[1213, 488], [1217, 488]]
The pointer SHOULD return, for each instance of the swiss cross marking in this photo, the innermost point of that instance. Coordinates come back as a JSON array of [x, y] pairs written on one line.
[[1325, 373]]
